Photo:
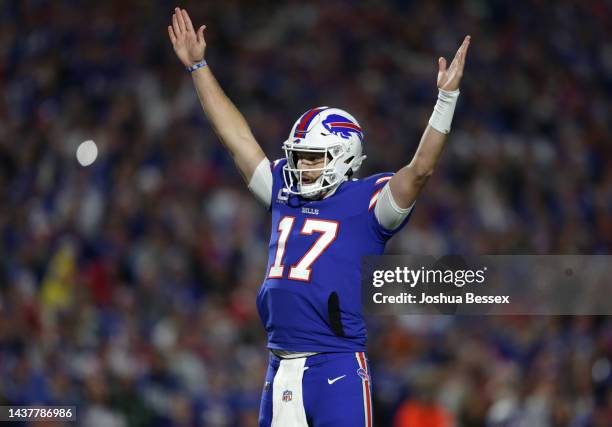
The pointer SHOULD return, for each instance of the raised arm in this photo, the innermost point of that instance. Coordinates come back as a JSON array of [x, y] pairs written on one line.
[[408, 181], [228, 123]]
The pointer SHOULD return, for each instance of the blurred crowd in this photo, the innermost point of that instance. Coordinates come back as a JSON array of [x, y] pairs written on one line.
[[128, 287]]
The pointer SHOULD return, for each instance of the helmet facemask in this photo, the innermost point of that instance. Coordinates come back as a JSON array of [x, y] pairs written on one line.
[[335, 170]]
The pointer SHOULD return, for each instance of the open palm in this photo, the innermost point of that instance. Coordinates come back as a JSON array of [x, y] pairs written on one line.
[[188, 44], [449, 79]]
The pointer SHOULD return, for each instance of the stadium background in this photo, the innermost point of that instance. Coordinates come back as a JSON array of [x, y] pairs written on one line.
[[127, 288]]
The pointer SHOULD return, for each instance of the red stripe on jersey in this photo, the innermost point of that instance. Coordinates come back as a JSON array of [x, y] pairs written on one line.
[[383, 179], [374, 199]]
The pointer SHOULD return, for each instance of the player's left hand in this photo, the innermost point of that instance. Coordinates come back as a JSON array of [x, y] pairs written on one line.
[[449, 78]]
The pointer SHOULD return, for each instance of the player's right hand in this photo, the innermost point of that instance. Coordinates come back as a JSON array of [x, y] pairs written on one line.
[[188, 45]]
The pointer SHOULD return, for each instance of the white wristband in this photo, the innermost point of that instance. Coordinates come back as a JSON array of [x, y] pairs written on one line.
[[442, 115]]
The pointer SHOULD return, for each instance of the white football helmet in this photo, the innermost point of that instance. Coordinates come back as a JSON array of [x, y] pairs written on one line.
[[335, 134]]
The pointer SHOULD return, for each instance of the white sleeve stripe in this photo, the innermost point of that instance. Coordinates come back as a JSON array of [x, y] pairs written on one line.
[[376, 195], [383, 179], [387, 212], [261, 183], [374, 198]]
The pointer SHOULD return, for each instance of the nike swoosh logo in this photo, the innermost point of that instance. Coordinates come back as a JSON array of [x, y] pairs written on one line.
[[330, 382]]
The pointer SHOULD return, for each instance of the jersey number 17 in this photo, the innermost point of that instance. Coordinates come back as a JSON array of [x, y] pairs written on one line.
[[301, 270]]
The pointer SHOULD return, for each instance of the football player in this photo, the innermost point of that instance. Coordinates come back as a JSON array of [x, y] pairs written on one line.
[[323, 222]]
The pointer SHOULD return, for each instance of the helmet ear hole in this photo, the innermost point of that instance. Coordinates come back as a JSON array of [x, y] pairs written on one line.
[[350, 172]]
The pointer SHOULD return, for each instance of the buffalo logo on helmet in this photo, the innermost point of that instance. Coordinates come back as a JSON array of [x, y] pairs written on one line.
[[341, 126]]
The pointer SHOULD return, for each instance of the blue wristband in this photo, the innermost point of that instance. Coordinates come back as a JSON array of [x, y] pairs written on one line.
[[194, 67]]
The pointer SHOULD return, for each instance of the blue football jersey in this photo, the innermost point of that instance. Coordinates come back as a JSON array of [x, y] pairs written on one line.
[[310, 300]]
